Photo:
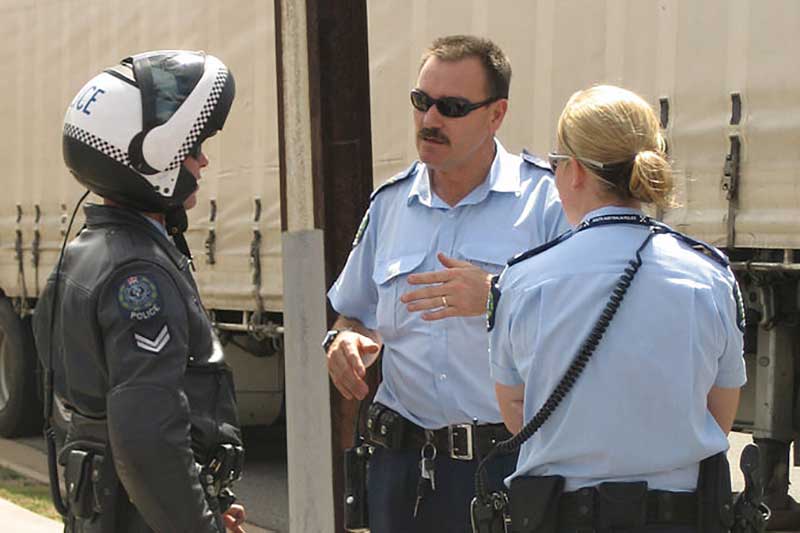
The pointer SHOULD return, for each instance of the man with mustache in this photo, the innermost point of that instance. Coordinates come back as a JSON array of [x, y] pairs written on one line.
[[449, 222]]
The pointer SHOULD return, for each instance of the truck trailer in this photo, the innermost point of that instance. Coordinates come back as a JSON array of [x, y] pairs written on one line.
[[719, 73]]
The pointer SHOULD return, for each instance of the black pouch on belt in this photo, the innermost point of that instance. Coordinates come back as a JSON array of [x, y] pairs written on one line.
[[385, 427], [80, 488], [714, 496], [533, 501], [356, 515], [621, 505]]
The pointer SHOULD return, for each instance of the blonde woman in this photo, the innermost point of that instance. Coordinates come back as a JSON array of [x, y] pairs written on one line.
[[646, 325]]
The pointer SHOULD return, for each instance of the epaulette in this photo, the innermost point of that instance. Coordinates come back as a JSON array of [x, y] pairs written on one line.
[[522, 256], [535, 160], [397, 178]]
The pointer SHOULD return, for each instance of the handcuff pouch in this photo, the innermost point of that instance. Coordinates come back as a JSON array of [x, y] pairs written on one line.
[[533, 501]]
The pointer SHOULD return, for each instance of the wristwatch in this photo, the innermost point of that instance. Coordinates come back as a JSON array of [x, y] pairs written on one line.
[[330, 336]]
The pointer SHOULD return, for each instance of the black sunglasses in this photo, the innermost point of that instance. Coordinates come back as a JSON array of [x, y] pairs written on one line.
[[448, 106]]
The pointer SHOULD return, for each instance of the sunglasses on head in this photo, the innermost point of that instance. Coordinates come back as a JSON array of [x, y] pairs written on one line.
[[448, 106], [554, 159]]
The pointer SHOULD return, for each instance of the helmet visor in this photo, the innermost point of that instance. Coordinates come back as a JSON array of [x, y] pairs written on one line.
[[165, 80]]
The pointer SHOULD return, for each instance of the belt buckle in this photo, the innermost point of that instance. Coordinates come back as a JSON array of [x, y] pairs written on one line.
[[453, 432]]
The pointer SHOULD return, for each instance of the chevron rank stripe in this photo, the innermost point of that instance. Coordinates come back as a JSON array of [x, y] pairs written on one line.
[[153, 345]]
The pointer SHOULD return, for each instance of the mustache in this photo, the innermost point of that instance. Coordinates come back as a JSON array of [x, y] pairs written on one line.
[[432, 134]]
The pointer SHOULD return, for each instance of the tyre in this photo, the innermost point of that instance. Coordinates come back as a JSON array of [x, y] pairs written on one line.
[[20, 404]]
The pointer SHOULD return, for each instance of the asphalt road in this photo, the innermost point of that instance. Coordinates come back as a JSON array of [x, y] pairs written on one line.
[[264, 485]]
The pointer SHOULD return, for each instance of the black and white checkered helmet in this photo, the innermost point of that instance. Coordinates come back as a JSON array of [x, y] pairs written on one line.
[[129, 129]]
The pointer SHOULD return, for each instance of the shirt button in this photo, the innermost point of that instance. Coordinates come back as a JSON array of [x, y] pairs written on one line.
[[442, 377]]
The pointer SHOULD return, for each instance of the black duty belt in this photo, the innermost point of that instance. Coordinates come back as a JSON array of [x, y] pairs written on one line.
[[464, 442], [585, 509]]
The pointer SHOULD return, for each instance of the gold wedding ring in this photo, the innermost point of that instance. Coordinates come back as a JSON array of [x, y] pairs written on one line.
[[444, 301]]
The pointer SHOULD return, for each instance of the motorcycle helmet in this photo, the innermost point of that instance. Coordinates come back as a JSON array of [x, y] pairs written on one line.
[[129, 129]]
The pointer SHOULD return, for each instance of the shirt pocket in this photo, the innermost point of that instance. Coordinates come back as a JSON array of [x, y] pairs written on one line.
[[492, 259], [390, 279]]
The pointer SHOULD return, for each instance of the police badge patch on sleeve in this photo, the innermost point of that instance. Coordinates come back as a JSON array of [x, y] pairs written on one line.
[[138, 298], [491, 303], [361, 229], [737, 296]]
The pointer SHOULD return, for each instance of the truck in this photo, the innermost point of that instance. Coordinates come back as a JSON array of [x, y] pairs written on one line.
[[719, 74]]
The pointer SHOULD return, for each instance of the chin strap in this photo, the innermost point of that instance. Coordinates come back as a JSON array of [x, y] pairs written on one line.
[[177, 223]]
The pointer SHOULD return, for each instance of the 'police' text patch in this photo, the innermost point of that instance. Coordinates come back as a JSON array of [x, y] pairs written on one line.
[[138, 298]]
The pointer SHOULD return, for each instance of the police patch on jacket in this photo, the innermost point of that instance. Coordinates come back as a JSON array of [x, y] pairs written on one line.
[[491, 303], [139, 298]]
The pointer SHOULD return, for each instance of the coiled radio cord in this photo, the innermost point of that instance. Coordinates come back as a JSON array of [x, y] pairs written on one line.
[[570, 376]]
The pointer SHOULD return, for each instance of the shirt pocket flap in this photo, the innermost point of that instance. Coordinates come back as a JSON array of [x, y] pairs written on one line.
[[488, 258], [386, 270]]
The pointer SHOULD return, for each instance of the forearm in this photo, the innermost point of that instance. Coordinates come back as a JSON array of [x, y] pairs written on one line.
[[513, 415], [722, 404], [511, 402], [150, 442]]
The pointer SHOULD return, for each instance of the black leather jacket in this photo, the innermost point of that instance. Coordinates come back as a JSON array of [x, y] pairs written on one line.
[[136, 362]]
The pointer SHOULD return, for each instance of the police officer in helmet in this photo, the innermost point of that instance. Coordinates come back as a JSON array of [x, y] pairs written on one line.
[[152, 440]]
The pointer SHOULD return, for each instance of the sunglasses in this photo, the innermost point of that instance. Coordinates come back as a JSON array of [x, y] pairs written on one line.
[[448, 106], [554, 159]]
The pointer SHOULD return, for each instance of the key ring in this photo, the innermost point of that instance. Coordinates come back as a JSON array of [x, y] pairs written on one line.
[[428, 446]]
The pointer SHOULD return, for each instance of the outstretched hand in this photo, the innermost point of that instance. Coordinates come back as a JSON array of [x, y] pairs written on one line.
[[461, 289]]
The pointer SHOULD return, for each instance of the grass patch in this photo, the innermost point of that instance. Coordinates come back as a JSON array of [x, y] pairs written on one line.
[[27, 493]]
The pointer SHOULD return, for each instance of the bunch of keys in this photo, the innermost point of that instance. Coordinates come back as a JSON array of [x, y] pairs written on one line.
[[427, 474]]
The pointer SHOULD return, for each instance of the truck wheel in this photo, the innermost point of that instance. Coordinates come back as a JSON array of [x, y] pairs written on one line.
[[20, 405]]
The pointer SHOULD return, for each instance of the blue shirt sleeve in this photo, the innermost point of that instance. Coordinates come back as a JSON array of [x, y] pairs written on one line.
[[354, 294], [731, 372], [501, 346]]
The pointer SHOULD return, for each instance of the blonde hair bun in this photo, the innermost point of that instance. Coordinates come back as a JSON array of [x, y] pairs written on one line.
[[614, 125], [651, 178]]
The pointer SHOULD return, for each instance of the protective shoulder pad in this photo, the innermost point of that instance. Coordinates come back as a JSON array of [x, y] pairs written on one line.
[[535, 160], [397, 178]]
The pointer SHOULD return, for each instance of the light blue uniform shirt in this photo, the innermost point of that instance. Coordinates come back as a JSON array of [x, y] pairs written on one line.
[[437, 373], [638, 412]]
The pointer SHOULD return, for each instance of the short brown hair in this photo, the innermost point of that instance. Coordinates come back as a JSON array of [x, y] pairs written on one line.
[[495, 62]]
